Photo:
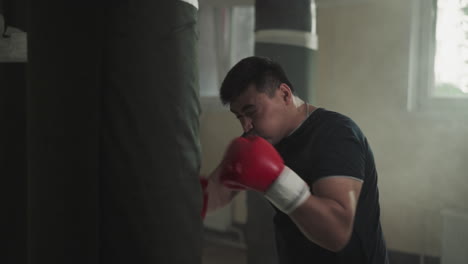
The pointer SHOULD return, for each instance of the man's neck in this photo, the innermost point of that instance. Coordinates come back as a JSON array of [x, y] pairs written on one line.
[[299, 114]]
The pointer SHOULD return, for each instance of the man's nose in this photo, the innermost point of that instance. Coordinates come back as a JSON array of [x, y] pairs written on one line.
[[247, 125]]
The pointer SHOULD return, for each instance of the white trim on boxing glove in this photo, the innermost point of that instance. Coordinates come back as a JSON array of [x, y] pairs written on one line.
[[288, 191]]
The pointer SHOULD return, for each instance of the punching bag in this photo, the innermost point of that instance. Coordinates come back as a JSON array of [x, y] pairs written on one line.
[[284, 32], [62, 132], [113, 149], [13, 165], [149, 151]]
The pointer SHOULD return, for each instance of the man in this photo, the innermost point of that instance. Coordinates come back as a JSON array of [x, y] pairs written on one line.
[[315, 166]]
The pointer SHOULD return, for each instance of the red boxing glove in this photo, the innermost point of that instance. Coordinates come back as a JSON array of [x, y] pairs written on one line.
[[251, 162]]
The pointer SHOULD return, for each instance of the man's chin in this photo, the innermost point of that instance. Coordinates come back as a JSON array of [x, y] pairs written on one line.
[[270, 140], [252, 134]]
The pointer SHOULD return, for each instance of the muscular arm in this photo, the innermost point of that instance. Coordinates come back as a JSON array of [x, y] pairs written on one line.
[[327, 216]]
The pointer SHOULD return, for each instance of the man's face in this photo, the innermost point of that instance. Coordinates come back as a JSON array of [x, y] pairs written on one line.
[[260, 114]]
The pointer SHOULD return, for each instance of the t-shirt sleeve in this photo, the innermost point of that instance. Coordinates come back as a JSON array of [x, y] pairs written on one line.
[[341, 153]]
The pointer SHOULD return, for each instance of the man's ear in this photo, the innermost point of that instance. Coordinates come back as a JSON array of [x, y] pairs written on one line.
[[285, 93]]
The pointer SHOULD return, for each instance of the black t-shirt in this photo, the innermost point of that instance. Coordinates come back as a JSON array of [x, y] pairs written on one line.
[[331, 144]]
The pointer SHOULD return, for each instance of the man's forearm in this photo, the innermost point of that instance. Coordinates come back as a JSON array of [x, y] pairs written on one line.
[[218, 195]]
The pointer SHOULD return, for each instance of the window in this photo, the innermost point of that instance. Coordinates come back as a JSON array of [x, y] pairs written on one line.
[[439, 57], [226, 35], [451, 49]]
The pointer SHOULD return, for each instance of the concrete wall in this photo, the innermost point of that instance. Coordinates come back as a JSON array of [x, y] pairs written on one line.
[[363, 72], [421, 159]]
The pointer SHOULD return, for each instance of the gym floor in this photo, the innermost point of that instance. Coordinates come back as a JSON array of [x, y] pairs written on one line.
[[214, 253]]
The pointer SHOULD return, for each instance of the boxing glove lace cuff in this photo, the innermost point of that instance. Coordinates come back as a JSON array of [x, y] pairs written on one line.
[[288, 191]]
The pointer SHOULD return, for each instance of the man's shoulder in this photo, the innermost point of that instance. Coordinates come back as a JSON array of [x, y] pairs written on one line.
[[335, 121]]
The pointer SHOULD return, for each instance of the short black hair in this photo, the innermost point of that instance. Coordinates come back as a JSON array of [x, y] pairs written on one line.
[[263, 72]]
